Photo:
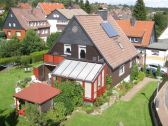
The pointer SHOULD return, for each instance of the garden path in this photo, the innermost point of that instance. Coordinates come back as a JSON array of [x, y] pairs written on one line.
[[130, 94]]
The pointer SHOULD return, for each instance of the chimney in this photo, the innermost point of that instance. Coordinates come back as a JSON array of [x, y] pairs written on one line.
[[132, 21], [103, 13]]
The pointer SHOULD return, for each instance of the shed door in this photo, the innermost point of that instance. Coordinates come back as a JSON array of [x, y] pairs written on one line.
[[87, 90]]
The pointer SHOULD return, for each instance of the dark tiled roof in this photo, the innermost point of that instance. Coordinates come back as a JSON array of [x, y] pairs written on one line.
[[162, 44], [108, 47], [37, 93]]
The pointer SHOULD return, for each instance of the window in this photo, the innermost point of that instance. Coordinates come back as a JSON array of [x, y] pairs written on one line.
[[11, 15], [122, 70], [10, 24], [67, 49], [46, 31], [42, 32], [55, 15], [18, 34], [81, 52], [135, 39], [99, 81], [120, 45], [155, 52], [14, 25], [9, 33]]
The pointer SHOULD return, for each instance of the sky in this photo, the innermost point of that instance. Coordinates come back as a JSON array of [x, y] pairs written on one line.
[[148, 3]]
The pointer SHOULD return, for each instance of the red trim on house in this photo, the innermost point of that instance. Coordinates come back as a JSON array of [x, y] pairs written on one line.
[[83, 85], [59, 80], [36, 72], [92, 91], [52, 59], [52, 81], [13, 32]]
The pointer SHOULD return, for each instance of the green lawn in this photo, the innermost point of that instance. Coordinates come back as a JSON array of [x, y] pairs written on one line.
[[133, 113]]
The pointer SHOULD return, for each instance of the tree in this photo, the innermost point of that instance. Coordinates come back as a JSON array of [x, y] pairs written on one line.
[[134, 72], [31, 43], [139, 11], [160, 22], [52, 39], [87, 7], [10, 48], [81, 4]]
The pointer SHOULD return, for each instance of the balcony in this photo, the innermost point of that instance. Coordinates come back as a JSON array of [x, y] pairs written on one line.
[[52, 59]]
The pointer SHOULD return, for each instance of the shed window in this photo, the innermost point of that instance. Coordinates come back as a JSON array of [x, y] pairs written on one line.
[[9, 33], [67, 49], [18, 33], [82, 52], [121, 70]]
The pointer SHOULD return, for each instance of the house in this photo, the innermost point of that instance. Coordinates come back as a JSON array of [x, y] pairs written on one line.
[[121, 12], [157, 53], [24, 6], [59, 18], [140, 33], [20, 20], [48, 7], [164, 35], [41, 94], [90, 48]]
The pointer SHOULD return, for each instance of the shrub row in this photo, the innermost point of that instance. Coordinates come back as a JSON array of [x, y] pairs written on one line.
[[24, 60]]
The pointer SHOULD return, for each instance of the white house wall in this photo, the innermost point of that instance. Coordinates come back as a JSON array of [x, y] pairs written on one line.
[[88, 90], [154, 59], [53, 27]]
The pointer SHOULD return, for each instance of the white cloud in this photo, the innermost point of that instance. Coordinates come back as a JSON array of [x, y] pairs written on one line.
[[149, 3]]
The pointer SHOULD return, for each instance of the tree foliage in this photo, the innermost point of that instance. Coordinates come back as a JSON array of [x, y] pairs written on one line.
[[71, 95], [31, 43], [160, 22], [134, 72], [52, 39], [87, 7], [10, 48], [139, 11]]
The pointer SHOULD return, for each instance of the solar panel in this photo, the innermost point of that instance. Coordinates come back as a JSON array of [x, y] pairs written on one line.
[[108, 28]]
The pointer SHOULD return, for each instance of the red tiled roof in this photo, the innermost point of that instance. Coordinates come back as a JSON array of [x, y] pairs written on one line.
[[37, 93], [49, 7], [108, 47], [24, 6], [140, 29]]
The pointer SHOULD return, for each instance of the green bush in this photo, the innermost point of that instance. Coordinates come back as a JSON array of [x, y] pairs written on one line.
[[99, 101], [141, 76], [2, 34], [38, 56], [25, 60], [134, 72], [88, 108], [8, 60]]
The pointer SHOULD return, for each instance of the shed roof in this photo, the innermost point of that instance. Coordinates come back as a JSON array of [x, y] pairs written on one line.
[[161, 45], [37, 93], [78, 70]]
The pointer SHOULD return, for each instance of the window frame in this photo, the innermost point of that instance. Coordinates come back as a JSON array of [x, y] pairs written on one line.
[[66, 46], [121, 70], [81, 47], [18, 32]]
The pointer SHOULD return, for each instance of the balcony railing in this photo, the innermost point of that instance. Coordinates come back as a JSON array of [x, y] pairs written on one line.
[[53, 59]]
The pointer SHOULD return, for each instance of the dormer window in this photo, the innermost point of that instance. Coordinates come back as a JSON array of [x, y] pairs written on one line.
[[81, 52], [11, 15], [67, 49], [10, 24], [55, 16]]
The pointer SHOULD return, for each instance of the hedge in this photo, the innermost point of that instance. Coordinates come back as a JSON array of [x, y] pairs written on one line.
[[24, 60]]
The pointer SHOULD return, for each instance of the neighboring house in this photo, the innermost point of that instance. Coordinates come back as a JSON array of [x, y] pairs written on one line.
[[157, 53], [47, 7], [121, 12], [20, 20], [164, 35], [24, 6], [59, 18], [140, 33]]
